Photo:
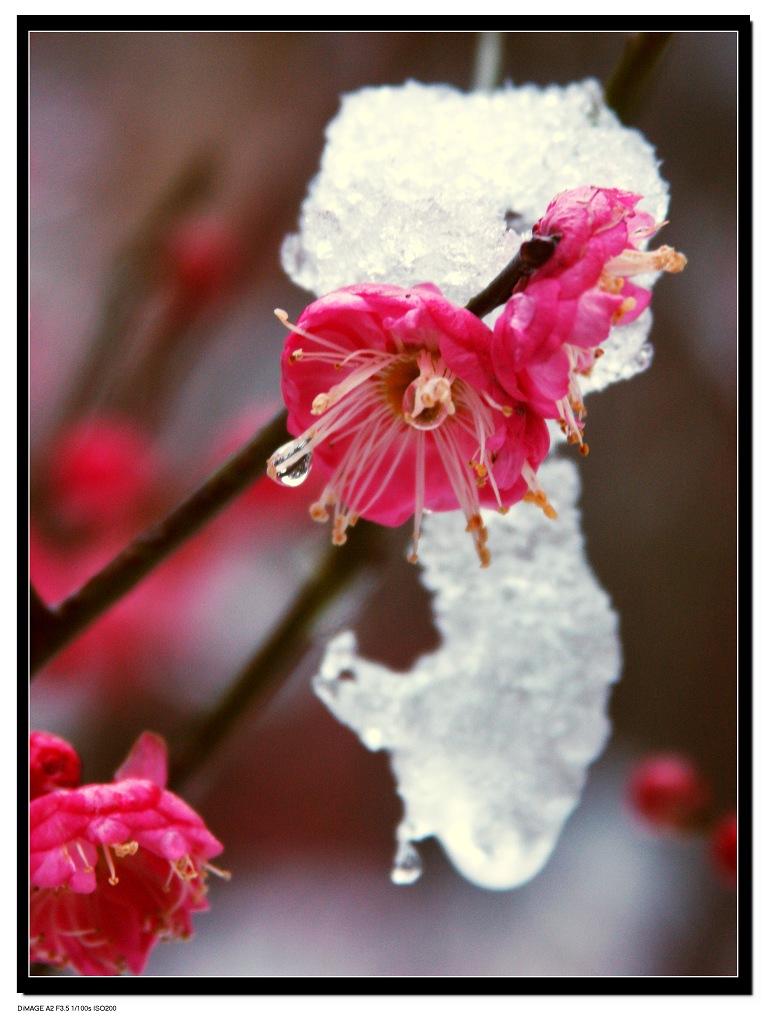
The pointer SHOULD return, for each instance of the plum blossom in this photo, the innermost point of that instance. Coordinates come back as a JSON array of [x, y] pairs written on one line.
[[724, 848], [391, 392], [397, 201], [262, 507], [103, 477], [202, 257], [113, 867], [549, 332], [53, 764], [669, 792]]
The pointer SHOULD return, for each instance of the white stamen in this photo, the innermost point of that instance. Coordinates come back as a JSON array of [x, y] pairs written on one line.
[[636, 261]]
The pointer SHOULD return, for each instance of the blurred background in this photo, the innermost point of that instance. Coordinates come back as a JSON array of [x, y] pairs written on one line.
[[165, 170]]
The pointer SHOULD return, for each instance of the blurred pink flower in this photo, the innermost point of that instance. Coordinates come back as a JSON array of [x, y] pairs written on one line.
[[724, 848], [668, 791], [53, 764], [550, 329], [391, 392], [103, 477], [202, 257], [115, 867]]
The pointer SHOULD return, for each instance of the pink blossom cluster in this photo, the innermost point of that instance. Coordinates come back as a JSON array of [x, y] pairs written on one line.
[[409, 404], [113, 867]]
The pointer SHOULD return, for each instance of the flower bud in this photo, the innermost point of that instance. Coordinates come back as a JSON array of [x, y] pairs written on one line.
[[53, 764], [668, 791], [724, 848]]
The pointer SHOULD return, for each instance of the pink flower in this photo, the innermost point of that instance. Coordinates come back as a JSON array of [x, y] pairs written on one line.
[[668, 791], [103, 477], [724, 848], [550, 329], [391, 392], [53, 764], [115, 867], [202, 258]]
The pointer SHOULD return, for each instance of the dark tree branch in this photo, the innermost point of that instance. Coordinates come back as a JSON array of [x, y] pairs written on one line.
[[532, 255], [627, 85]]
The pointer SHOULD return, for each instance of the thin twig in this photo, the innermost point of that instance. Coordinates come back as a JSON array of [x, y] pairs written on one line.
[[154, 545], [532, 255], [625, 89], [146, 391], [133, 271], [261, 677]]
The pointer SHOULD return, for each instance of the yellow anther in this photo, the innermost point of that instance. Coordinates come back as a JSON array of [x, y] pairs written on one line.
[[125, 849]]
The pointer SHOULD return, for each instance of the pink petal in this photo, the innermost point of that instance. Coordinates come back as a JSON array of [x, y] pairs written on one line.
[[545, 383], [642, 297], [594, 317], [148, 759]]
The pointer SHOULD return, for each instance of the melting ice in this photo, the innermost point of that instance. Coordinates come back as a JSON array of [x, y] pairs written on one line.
[[491, 735]]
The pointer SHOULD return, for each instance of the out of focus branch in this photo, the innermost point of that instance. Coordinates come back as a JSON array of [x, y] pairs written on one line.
[[138, 559], [133, 273], [40, 615], [260, 678], [487, 61], [627, 85]]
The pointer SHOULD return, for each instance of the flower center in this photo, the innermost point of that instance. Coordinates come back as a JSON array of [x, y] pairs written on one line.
[[427, 401]]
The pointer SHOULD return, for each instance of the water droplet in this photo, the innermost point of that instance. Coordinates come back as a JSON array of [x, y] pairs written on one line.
[[294, 474], [407, 865]]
